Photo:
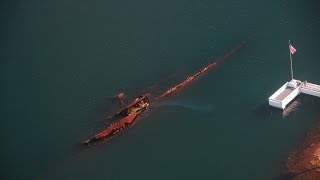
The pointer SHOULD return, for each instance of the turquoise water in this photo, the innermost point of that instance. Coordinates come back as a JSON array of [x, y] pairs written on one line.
[[62, 61]]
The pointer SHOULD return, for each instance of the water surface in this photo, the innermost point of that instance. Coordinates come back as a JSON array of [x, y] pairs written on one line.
[[61, 61]]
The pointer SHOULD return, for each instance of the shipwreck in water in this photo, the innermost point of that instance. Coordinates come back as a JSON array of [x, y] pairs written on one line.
[[127, 117], [129, 114]]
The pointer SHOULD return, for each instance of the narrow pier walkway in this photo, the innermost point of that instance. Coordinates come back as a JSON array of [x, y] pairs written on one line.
[[311, 89], [283, 96]]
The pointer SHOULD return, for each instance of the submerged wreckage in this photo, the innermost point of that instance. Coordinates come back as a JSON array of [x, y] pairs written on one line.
[[140, 104], [128, 115]]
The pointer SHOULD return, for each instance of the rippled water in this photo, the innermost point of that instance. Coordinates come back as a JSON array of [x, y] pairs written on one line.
[[62, 61]]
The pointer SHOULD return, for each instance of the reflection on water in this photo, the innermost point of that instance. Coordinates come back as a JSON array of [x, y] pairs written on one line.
[[292, 107]]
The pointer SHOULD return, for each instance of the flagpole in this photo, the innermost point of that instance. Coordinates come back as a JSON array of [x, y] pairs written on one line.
[[290, 61]]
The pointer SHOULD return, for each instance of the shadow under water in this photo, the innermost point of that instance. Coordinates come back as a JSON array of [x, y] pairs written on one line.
[[191, 106]]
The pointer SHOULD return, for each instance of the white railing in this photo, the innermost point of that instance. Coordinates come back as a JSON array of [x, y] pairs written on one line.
[[311, 89], [274, 95]]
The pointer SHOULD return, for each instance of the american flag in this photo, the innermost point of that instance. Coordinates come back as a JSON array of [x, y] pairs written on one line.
[[292, 49]]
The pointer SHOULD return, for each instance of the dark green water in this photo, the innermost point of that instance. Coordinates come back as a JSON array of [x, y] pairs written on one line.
[[61, 61]]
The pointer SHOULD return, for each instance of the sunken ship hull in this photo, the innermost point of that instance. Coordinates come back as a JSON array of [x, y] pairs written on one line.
[[127, 116]]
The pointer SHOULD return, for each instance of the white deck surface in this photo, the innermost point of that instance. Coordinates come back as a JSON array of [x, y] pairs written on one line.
[[284, 94]]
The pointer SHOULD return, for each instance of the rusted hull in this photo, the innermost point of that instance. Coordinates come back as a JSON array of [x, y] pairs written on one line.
[[205, 69], [129, 114], [124, 112], [113, 129]]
